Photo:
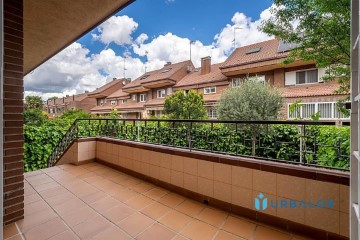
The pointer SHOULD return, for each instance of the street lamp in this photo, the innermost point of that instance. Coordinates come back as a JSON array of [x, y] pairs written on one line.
[[191, 42], [235, 28]]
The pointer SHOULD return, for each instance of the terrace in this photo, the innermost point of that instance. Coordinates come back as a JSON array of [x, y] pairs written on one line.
[[169, 178], [95, 201], [108, 180]]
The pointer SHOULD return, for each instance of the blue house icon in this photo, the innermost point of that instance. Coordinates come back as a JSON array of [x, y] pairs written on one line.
[[261, 202]]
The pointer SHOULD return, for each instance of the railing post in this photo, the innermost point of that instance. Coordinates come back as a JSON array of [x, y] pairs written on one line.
[[302, 131]]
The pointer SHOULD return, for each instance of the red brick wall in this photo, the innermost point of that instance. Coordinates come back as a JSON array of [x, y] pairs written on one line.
[[13, 112]]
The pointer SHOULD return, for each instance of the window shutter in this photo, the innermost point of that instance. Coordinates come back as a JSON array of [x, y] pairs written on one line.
[[290, 78]]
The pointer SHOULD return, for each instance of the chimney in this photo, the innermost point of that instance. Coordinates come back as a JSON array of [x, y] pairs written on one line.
[[167, 64], [205, 65], [74, 97], [63, 99], [114, 79], [86, 91]]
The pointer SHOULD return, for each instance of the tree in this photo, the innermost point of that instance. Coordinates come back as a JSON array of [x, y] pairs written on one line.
[[72, 115], [181, 105], [33, 102], [35, 117], [251, 101], [321, 31]]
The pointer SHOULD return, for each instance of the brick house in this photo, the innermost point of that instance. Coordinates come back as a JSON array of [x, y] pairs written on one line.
[[55, 107], [207, 80], [297, 81], [103, 105], [147, 93]]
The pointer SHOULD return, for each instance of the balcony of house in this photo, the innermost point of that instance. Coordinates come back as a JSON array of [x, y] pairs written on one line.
[[169, 179]]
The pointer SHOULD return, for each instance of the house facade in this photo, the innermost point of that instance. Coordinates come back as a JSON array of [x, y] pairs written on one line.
[[298, 80], [56, 106], [101, 94], [145, 96]]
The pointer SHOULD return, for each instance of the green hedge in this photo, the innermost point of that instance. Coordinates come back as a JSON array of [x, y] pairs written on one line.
[[324, 143]]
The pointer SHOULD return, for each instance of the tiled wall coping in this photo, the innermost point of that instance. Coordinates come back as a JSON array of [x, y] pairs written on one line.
[[318, 174], [137, 159]]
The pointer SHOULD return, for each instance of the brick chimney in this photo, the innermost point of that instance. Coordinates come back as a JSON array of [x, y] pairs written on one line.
[[205, 65]]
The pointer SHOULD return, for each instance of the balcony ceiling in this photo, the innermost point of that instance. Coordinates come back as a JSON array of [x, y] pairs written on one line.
[[51, 25]]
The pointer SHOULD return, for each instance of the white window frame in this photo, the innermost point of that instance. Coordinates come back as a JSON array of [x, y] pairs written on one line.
[[101, 102], [212, 113], [133, 97], [235, 82], [142, 97], [123, 101], [210, 90], [161, 93], [333, 113], [258, 78], [169, 91], [113, 102], [307, 70]]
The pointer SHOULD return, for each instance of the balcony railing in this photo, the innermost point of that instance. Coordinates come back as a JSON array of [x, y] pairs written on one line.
[[308, 143]]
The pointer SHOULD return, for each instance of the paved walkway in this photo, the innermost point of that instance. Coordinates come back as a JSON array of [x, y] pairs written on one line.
[[93, 201]]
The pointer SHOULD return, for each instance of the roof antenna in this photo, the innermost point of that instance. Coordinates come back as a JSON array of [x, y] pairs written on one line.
[[191, 42], [124, 66], [146, 54]]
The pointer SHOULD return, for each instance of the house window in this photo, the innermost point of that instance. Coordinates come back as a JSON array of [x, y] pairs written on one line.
[[257, 78], [112, 103], [327, 110], [235, 82], [133, 97], [123, 101], [101, 102], [161, 93], [51, 110], [169, 91], [309, 76], [212, 113], [166, 70], [142, 97], [209, 90]]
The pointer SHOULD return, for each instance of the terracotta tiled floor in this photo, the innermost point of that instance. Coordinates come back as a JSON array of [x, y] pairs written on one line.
[[96, 202]]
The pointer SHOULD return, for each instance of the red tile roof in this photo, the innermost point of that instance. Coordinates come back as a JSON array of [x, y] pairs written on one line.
[[196, 78], [309, 90], [105, 87], [130, 105], [159, 74], [155, 102], [268, 51], [119, 94]]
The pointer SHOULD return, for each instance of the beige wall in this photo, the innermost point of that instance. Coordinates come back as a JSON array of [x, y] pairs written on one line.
[[79, 152], [237, 185]]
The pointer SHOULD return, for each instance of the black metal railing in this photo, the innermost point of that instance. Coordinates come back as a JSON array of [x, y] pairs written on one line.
[[309, 143], [64, 144]]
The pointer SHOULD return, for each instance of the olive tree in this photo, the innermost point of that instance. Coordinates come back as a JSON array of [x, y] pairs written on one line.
[[251, 101]]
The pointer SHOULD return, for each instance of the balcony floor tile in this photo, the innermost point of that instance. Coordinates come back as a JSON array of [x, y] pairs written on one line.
[[97, 202]]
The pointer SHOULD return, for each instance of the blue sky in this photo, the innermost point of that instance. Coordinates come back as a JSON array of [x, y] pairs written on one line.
[[193, 19], [147, 34]]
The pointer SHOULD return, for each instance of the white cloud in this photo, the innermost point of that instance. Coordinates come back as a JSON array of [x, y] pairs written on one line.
[[247, 32], [117, 29], [74, 70]]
